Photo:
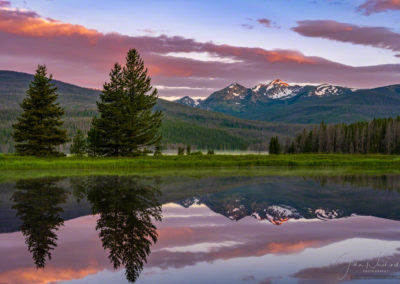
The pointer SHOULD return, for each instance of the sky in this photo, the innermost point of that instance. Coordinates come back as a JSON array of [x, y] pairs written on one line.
[[197, 47]]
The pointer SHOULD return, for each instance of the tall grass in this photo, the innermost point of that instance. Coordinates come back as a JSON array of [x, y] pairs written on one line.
[[12, 162]]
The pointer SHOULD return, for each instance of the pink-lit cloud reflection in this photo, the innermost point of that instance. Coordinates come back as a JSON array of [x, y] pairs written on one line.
[[192, 237]]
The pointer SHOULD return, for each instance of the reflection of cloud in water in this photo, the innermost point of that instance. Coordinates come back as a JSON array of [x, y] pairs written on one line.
[[203, 239], [78, 255]]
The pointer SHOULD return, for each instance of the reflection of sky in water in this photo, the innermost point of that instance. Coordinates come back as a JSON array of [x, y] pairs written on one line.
[[197, 245]]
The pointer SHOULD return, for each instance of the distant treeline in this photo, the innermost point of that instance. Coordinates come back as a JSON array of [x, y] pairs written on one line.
[[377, 136]]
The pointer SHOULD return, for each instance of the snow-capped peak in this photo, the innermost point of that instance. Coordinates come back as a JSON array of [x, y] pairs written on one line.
[[257, 87], [233, 85], [276, 83], [188, 101], [236, 90], [276, 89]]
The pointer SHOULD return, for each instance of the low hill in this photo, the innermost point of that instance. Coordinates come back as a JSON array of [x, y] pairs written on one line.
[[181, 124]]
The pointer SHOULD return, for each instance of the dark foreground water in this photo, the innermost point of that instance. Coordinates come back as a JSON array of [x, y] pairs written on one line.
[[230, 229]]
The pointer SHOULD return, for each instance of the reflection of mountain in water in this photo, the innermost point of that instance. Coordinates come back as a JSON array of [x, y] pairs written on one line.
[[281, 199]]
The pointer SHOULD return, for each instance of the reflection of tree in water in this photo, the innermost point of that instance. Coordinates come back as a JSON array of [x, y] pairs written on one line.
[[37, 202], [126, 207], [383, 182]]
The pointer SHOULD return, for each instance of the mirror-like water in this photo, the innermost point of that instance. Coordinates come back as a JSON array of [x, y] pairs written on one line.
[[230, 229]]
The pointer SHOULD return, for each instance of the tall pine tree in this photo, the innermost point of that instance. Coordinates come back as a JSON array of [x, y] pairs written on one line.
[[38, 130], [274, 145], [127, 122]]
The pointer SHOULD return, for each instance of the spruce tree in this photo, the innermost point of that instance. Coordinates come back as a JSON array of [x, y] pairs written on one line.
[[274, 146], [93, 146], [181, 151], [38, 129], [127, 122], [158, 149], [78, 146]]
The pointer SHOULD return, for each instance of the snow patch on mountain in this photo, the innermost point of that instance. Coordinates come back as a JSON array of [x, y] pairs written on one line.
[[283, 93], [257, 87], [326, 214], [325, 89], [276, 89]]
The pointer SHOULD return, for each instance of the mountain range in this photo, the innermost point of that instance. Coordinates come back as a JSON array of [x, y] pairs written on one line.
[[280, 101]]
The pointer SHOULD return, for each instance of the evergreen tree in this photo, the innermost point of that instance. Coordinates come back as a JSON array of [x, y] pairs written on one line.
[[274, 146], [38, 129], [188, 149], [127, 122], [377, 136], [94, 140], [158, 149], [78, 146], [181, 151]]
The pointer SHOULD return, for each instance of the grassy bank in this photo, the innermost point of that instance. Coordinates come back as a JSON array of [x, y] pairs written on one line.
[[11, 162], [14, 167]]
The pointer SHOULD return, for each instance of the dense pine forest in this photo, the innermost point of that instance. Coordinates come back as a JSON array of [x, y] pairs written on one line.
[[376, 136]]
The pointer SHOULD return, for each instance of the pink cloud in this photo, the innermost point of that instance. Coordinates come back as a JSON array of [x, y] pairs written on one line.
[[84, 56], [265, 22], [376, 6], [5, 3], [379, 37]]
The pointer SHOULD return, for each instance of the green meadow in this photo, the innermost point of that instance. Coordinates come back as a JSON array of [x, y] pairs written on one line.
[[13, 167]]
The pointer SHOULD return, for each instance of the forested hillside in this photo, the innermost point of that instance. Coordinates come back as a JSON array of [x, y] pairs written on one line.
[[181, 124]]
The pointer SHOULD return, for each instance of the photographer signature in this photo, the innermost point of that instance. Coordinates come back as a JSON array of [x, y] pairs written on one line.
[[379, 265]]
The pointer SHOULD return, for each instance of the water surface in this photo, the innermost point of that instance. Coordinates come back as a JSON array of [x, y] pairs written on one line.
[[187, 229]]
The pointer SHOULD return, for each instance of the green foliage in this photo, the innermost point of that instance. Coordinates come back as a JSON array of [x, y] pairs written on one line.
[[127, 123], [79, 144], [210, 152], [38, 129], [197, 153], [274, 145], [377, 136]]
